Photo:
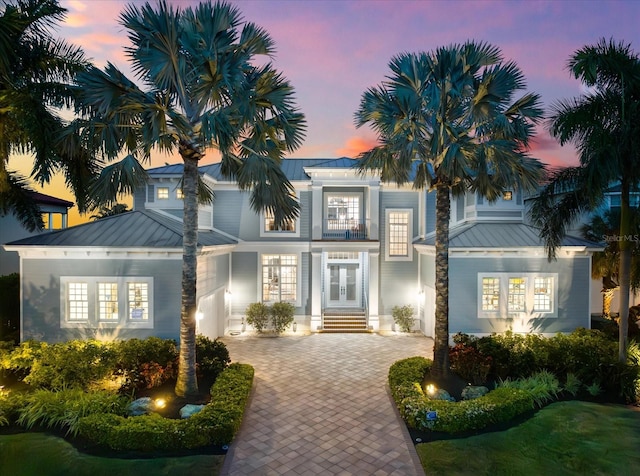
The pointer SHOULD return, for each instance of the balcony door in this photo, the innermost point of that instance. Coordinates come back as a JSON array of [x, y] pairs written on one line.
[[343, 285]]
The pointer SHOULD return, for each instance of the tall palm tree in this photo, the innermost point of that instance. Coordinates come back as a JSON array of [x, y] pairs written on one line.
[[605, 264], [36, 83], [449, 114], [604, 124], [203, 89]]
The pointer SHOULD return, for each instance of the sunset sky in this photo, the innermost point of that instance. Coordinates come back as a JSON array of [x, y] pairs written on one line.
[[333, 50]]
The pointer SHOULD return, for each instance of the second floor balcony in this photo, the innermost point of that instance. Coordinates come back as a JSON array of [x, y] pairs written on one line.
[[345, 229]]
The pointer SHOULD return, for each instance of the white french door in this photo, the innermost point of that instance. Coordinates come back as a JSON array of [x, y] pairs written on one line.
[[343, 285]]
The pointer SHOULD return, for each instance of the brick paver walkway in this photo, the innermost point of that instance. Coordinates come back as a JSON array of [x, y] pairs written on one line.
[[321, 406]]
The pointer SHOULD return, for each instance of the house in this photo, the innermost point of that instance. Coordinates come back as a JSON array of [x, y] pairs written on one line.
[[359, 248], [54, 214]]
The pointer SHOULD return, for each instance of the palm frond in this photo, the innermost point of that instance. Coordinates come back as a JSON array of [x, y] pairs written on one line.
[[17, 197], [117, 179]]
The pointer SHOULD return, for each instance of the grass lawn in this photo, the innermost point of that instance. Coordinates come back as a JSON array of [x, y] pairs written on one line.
[[564, 438], [39, 454]]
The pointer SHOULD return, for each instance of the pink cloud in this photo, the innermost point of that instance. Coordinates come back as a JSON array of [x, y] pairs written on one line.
[[356, 145]]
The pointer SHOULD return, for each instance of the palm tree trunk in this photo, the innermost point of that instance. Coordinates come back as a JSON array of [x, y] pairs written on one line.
[[187, 383], [440, 366], [607, 297], [625, 271]]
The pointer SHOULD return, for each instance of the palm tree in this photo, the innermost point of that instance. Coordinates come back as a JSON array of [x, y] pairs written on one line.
[[106, 211], [203, 89], [450, 115], [36, 78], [604, 124], [605, 264]]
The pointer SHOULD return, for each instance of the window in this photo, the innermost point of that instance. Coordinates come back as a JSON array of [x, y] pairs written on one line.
[[77, 302], [507, 195], [108, 301], [506, 295], [279, 278], [92, 301], [343, 211], [179, 194], [490, 294], [398, 234], [138, 301], [270, 224], [163, 193]]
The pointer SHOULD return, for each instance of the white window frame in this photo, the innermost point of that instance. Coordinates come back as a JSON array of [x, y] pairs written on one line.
[[94, 321], [529, 296], [387, 251], [261, 266], [165, 193], [264, 232]]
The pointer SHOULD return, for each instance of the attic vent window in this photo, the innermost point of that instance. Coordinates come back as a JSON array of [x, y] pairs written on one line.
[[163, 193], [508, 195]]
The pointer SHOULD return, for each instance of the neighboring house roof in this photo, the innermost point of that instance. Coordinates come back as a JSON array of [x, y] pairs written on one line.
[[43, 199], [292, 168], [501, 235], [135, 229]]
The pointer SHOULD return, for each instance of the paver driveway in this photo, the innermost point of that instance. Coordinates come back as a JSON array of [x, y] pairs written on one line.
[[321, 406]]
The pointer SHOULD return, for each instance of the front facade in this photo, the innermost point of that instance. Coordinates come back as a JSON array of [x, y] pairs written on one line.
[[359, 248]]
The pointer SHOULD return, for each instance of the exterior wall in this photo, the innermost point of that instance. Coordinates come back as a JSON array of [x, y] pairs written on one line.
[[430, 212], [572, 298], [244, 284], [41, 300], [213, 295]]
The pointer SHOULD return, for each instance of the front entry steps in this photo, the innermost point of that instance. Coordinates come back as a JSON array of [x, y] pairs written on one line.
[[345, 320]]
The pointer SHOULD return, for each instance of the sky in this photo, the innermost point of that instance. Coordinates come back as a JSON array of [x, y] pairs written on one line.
[[333, 50]]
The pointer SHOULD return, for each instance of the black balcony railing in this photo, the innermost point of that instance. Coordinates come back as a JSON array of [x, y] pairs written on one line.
[[337, 229]]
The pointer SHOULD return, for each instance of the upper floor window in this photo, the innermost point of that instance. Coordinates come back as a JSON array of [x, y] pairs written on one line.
[[106, 301], [162, 193], [398, 234], [504, 295], [507, 195], [270, 224], [280, 278]]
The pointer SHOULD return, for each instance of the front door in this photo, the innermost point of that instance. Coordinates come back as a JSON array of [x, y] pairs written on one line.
[[342, 285]]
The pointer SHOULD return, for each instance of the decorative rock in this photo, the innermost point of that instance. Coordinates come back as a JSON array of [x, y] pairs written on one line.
[[141, 406], [189, 410], [441, 394], [471, 392]]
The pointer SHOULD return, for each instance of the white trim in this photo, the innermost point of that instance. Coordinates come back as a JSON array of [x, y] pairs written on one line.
[[298, 256], [503, 313], [92, 322], [279, 233], [387, 230]]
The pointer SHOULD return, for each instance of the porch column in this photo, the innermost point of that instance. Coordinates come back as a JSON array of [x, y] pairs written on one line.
[[374, 212], [374, 286], [316, 212], [316, 290]]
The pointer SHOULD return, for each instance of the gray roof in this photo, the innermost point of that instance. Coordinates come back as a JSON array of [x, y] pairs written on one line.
[[292, 168], [500, 235], [135, 229]]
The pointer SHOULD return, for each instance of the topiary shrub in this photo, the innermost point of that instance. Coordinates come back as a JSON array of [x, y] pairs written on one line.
[[212, 356], [257, 316], [281, 316], [403, 317]]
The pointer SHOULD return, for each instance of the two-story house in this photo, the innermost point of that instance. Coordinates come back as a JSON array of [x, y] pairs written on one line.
[[359, 248]]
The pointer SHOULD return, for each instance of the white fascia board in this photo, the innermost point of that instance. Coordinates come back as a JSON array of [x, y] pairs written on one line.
[[535, 252], [273, 246], [90, 252], [216, 250]]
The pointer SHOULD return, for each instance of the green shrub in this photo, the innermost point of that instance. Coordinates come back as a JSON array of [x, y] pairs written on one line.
[[145, 363], [77, 363], [19, 360], [543, 386], [63, 409], [594, 389], [212, 356], [405, 373], [403, 317], [470, 364], [216, 424], [572, 384], [257, 316], [10, 404], [281, 316]]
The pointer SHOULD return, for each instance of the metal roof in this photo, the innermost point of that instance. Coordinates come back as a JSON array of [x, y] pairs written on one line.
[[501, 236], [43, 199], [135, 229], [292, 168]]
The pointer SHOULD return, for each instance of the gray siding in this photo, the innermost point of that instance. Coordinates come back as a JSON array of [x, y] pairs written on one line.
[[139, 198], [213, 273], [428, 270], [41, 297], [230, 210], [244, 269], [572, 301], [430, 210]]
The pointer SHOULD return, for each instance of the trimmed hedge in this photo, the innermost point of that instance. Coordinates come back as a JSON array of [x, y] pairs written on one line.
[[405, 381], [216, 424]]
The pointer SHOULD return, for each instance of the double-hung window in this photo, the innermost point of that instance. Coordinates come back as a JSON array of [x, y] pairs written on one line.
[[507, 295], [399, 232], [114, 301], [279, 277]]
